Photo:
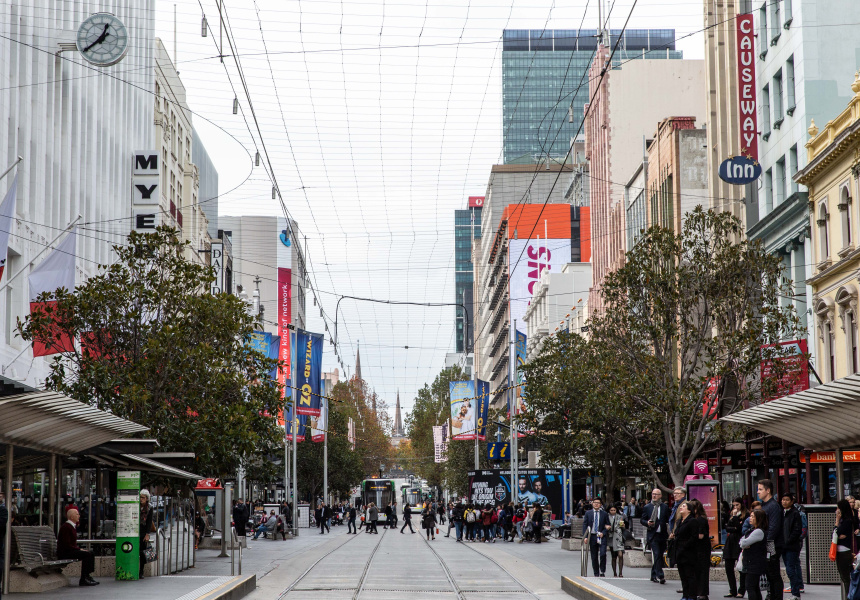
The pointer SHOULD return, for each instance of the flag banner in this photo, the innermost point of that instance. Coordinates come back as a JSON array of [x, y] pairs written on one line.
[[288, 422], [463, 414], [308, 372], [445, 438], [274, 353], [351, 432], [285, 312], [520, 350], [438, 436], [7, 213], [483, 402], [56, 271], [319, 425], [259, 341]]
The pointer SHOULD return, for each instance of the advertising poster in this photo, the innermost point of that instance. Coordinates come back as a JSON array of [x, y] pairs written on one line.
[[463, 410], [493, 486], [308, 374], [319, 425], [127, 549], [284, 302], [483, 402], [708, 493], [528, 259], [288, 424]]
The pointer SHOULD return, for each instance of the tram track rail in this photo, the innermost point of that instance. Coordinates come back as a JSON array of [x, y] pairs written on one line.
[[307, 571], [504, 570], [445, 569], [360, 585]]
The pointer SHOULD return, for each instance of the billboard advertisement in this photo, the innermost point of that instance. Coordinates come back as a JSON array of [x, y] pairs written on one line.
[[483, 403], [527, 260], [284, 302], [319, 425], [463, 410], [535, 486], [708, 493], [308, 374]]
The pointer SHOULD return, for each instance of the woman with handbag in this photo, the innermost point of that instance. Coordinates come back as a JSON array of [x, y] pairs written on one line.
[[428, 521], [732, 549], [843, 538], [616, 540], [686, 537], [147, 554]]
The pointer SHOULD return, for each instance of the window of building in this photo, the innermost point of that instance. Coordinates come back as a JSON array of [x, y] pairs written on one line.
[[765, 112], [762, 28], [847, 302], [789, 85], [779, 184], [851, 323], [787, 14], [845, 213], [778, 115], [792, 166], [775, 24], [768, 191], [831, 355], [823, 230]]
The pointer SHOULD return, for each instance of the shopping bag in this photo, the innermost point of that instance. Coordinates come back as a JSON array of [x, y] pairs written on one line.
[[437, 530], [833, 544], [739, 566]]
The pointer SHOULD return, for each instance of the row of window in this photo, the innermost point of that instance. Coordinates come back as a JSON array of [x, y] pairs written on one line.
[[823, 219], [778, 98], [773, 17], [778, 182]]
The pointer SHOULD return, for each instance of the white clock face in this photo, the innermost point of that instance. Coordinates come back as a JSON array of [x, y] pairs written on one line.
[[102, 39]]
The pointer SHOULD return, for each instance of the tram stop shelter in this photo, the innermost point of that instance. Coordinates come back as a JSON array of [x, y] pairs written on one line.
[[38, 426]]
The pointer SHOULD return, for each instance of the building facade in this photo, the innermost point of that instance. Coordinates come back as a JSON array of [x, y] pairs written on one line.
[[542, 91], [627, 101], [467, 229], [255, 243], [807, 52], [76, 126], [831, 176], [207, 196]]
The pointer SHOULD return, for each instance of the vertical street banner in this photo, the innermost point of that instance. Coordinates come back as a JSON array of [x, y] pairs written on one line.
[[274, 353], [127, 549], [56, 271], [438, 442], [483, 402], [288, 419], [284, 302], [463, 413], [319, 425], [308, 373], [519, 380], [747, 86]]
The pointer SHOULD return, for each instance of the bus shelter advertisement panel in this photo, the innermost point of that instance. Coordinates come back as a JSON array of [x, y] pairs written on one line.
[[708, 493], [535, 486], [463, 405], [127, 549]]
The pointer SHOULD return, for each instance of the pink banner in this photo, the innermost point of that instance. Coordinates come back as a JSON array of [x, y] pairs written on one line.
[[285, 301]]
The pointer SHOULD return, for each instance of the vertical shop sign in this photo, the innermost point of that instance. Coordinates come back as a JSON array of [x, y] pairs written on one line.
[[127, 550]]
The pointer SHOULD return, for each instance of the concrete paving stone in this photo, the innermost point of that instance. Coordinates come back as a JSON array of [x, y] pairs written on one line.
[[174, 587]]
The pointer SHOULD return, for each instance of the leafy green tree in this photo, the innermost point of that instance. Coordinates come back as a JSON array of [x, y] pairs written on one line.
[[157, 348], [373, 424], [345, 467], [685, 314]]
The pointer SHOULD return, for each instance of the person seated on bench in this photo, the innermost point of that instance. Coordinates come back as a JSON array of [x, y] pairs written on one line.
[[67, 546], [269, 526]]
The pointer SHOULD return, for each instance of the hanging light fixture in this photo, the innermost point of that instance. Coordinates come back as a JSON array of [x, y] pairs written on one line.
[[257, 160], [235, 106], [204, 30]]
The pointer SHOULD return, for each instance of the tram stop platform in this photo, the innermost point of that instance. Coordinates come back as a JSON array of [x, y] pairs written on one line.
[[169, 587]]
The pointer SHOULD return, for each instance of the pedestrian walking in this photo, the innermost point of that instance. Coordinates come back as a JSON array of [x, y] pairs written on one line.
[[387, 510], [407, 518], [372, 515], [350, 524], [792, 541], [686, 537], [428, 522], [487, 522], [655, 517], [240, 517], [679, 494], [471, 519], [774, 537], [732, 549], [394, 514], [450, 512], [457, 518], [594, 526], [537, 523], [703, 549], [616, 540], [754, 552], [517, 521], [843, 532]]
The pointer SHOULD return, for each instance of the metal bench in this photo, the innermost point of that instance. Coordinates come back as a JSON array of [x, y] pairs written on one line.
[[34, 549]]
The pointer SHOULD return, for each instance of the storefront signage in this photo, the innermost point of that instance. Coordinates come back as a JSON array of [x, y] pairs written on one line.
[[746, 86], [739, 170], [218, 266], [830, 457], [127, 549], [145, 195]]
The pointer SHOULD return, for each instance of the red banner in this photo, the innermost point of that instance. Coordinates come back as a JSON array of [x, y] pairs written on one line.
[[746, 86], [795, 377], [285, 311]]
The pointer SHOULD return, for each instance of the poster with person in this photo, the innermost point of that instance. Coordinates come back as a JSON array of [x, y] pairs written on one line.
[[463, 410], [534, 486]]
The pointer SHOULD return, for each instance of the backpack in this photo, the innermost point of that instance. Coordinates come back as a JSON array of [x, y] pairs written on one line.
[[495, 518], [470, 516], [804, 522]]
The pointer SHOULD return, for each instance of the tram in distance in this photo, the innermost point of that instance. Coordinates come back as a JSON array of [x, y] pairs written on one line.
[[384, 491]]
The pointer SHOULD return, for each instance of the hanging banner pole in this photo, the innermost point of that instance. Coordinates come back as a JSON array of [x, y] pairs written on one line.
[[515, 456], [325, 452], [295, 426], [14, 164]]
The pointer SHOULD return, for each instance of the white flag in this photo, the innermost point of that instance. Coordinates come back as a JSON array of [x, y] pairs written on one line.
[[7, 213], [56, 271]]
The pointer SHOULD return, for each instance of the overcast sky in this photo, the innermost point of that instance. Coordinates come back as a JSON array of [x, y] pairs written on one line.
[[380, 118]]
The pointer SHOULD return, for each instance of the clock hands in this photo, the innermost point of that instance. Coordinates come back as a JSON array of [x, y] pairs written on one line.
[[100, 39]]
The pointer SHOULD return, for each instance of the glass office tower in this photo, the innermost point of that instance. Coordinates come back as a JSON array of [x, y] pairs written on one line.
[[545, 84], [467, 227]]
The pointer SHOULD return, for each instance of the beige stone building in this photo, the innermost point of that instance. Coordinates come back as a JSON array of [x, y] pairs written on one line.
[[831, 174]]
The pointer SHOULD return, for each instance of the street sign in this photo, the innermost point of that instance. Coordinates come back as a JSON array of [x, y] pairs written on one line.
[[498, 451]]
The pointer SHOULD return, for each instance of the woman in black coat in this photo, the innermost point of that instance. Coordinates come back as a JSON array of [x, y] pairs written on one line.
[[754, 547], [145, 526], [428, 522], [732, 549], [686, 538], [703, 549]]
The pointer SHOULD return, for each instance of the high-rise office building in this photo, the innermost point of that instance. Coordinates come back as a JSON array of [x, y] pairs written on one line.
[[467, 227], [545, 84]]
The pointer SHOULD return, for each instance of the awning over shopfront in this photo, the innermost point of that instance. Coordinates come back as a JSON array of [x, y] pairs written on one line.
[[51, 422], [821, 418]]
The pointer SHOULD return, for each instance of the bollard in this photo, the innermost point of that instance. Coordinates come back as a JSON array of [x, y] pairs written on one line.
[[233, 555], [240, 555]]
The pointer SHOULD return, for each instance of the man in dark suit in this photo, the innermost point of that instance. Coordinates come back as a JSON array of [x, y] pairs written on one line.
[[240, 517], [655, 516], [67, 547], [596, 521]]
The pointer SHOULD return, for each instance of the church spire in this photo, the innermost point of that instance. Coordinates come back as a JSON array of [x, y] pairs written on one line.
[[358, 361], [398, 421]]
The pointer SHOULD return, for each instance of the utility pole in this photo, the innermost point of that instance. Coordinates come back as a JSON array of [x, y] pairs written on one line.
[[512, 395]]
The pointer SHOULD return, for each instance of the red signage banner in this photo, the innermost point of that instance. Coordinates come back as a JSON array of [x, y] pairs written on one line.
[[795, 377], [746, 86], [476, 201], [285, 311]]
